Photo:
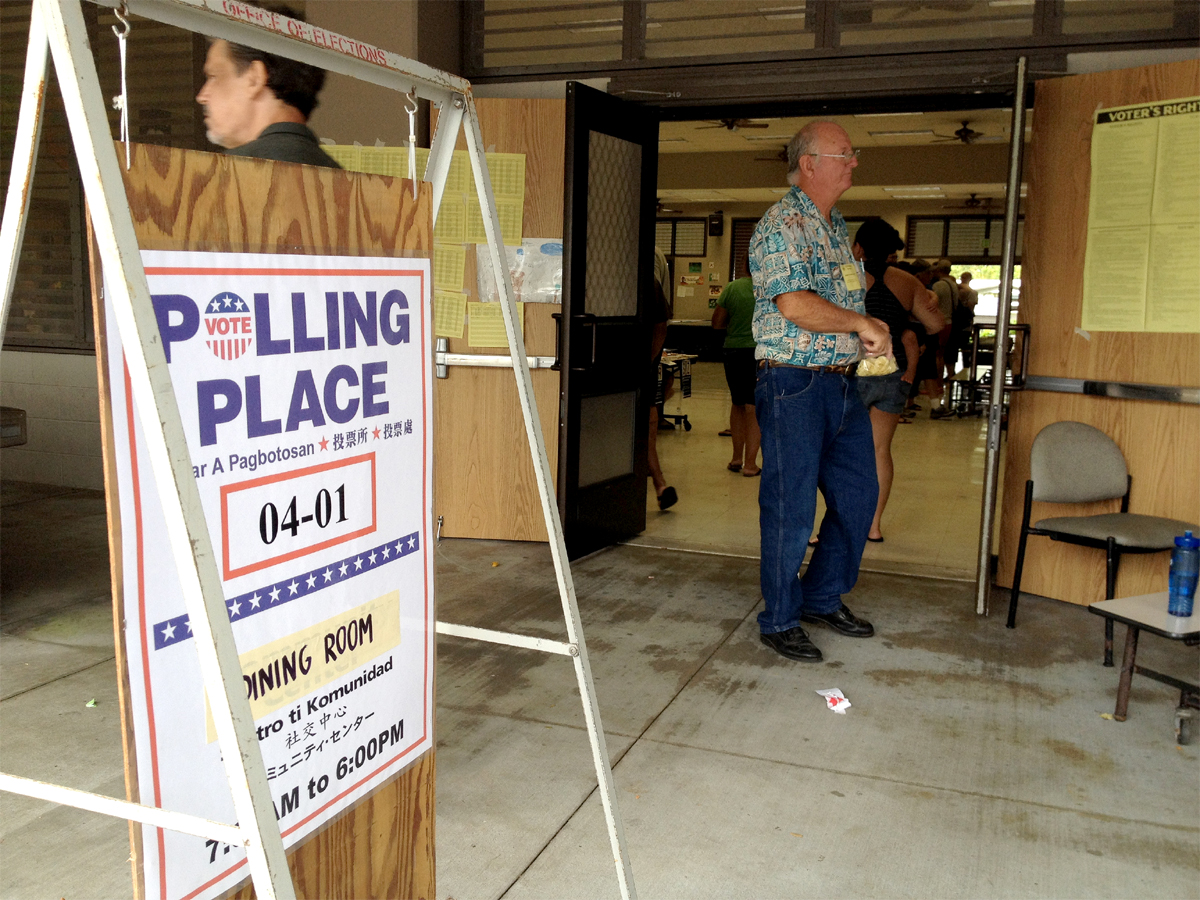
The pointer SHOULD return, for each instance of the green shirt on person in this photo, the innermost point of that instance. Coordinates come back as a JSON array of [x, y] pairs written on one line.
[[738, 300]]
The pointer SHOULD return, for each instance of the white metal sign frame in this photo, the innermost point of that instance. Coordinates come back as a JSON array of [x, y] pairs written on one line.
[[58, 26]]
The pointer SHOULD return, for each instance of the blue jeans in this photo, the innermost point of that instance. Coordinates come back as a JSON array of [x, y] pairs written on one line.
[[816, 434]]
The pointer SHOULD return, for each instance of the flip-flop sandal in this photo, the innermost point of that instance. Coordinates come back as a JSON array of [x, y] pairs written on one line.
[[877, 540], [812, 542], [746, 473], [667, 498], [734, 467], [725, 433]]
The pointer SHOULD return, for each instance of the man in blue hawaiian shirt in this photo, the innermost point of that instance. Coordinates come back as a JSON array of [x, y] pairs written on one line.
[[811, 328]]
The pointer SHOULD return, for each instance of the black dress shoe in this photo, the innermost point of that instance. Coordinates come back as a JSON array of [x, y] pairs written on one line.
[[794, 644], [842, 621]]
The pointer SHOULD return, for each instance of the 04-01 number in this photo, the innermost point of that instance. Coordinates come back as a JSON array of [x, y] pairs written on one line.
[[269, 523]]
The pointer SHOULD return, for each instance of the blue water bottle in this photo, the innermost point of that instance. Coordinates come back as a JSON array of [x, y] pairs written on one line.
[[1185, 566]]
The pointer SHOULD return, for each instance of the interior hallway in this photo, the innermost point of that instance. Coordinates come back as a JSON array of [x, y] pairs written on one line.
[[974, 762], [930, 526]]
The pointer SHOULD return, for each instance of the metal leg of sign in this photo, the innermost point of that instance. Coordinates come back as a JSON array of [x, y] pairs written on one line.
[[123, 809], [24, 158], [541, 468], [166, 446], [441, 150]]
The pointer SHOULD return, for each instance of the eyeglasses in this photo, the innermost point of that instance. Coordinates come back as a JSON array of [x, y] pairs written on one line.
[[844, 157]]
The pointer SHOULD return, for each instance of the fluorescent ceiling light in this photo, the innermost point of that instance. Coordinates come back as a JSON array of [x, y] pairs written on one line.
[[918, 196], [663, 140], [913, 133], [911, 188], [780, 190], [766, 137], [1010, 2], [882, 114]]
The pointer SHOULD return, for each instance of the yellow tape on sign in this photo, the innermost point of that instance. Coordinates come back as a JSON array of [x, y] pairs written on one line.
[[283, 671]]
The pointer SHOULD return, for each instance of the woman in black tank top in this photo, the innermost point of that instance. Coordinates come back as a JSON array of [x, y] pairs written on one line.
[[883, 304], [892, 296]]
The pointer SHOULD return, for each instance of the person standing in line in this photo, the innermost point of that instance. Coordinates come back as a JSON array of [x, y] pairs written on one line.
[[811, 328], [947, 293], [964, 318], [735, 314], [892, 296], [257, 104], [660, 315]]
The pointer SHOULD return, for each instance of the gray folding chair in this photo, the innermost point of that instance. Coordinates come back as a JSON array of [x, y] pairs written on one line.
[[1071, 462]]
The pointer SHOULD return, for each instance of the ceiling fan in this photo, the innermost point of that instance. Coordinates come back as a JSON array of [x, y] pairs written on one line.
[[735, 124], [965, 135], [973, 202]]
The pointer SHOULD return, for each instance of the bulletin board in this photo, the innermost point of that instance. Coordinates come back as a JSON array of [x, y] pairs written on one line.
[[294, 305]]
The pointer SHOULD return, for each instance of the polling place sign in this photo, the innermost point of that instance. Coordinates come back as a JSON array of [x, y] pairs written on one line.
[[304, 384]]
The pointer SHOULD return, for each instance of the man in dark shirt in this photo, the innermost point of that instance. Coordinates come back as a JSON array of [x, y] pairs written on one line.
[[256, 104]]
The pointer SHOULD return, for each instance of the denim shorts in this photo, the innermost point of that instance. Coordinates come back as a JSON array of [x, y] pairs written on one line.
[[887, 393]]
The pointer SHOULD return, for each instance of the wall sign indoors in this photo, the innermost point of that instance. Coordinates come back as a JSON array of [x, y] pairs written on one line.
[[304, 384]]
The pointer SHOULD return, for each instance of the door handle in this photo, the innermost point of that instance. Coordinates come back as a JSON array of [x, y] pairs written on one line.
[[591, 321], [558, 341], [584, 319]]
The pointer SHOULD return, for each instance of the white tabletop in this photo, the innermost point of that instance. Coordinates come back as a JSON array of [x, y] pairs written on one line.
[[670, 357], [1150, 611]]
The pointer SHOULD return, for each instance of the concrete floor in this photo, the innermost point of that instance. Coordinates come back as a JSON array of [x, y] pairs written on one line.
[[974, 762]]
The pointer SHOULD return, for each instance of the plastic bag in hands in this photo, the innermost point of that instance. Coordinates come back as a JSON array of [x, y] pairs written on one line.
[[874, 366]]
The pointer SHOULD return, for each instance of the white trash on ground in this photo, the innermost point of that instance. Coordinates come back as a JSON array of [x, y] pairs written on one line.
[[836, 699]]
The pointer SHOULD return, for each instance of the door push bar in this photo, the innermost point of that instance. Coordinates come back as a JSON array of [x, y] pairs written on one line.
[[443, 360]]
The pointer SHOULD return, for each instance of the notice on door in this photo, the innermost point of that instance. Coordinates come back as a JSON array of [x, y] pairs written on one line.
[[304, 384], [1142, 264]]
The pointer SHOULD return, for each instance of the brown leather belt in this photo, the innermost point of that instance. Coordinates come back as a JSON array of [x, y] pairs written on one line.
[[835, 370]]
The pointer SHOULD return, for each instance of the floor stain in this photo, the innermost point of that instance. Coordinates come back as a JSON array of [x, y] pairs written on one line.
[[989, 683], [1100, 764]]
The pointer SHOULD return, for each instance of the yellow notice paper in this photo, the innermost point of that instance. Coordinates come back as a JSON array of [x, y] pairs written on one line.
[[1173, 293], [1142, 262], [460, 179], [1123, 162], [1177, 176], [507, 172], [280, 673], [1114, 279], [449, 313], [510, 211], [485, 324], [451, 227], [346, 155], [449, 261], [391, 161]]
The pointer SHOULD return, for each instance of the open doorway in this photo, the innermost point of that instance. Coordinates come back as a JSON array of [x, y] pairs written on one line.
[[938, 178]]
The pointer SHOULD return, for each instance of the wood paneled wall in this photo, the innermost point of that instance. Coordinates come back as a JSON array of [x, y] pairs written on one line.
[[1161, 441], [484, 483], [186, 200]]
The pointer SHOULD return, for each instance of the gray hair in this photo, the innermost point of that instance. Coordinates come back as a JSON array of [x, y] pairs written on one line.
[[803, 143]]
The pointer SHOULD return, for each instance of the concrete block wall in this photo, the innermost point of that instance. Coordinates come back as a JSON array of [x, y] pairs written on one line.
[[60, 396]]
